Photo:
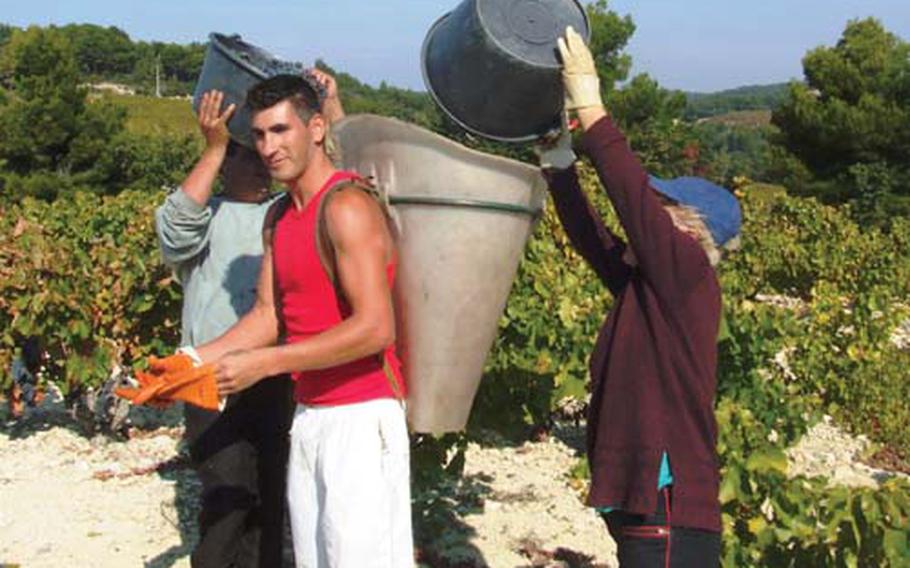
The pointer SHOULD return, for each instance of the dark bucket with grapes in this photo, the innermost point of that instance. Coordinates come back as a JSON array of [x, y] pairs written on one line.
[[233, 66]]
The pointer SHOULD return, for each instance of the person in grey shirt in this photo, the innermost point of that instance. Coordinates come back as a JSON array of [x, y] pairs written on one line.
[[214, 245]]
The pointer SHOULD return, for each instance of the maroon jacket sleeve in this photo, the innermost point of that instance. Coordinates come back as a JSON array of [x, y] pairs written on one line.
[[671, 261], [601, 248]]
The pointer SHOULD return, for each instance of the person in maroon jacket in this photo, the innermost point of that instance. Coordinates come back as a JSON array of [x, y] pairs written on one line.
[[651, 427]]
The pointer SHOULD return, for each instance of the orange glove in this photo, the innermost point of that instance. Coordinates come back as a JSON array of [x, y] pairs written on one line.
[[195, 386], [172, 364], [147, 391]]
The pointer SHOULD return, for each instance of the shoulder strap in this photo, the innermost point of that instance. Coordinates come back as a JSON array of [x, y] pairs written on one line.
[[273, 215], [323, 240], [327, 254], [275, 212]]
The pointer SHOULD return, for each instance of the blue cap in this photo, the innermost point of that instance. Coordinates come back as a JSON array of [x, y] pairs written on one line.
[[718, 206]]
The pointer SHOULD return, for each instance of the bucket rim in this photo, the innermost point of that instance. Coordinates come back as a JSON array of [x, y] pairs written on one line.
[[502, 161], [406, 132], [585, 34], [216, 42], [438, 100]]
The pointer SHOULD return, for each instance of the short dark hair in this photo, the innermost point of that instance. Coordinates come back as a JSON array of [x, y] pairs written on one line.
[[294, 88]]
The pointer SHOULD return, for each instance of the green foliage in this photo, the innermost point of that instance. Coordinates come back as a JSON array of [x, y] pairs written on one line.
[[609, 35], [42, 117], [643, 100], [772, 520], [552, 317], [50, 138], [54, 140], [651, 117], [100, 51], [853, 281], [145, 162], [156, 116], [84, 275], [752, 97], [178, 65], [850, 122], [734, 151]]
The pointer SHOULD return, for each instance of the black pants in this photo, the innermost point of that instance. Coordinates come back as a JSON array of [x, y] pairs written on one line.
[[649, 541], [240, 456]]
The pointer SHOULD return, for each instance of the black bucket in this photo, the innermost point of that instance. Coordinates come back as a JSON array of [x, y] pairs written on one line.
[[233, 66], [493, 65]]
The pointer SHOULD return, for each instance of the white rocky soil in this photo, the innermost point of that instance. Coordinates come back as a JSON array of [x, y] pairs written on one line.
[[68, 500]]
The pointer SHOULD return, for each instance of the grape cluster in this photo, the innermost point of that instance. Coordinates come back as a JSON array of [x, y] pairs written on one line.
[[268, 64]]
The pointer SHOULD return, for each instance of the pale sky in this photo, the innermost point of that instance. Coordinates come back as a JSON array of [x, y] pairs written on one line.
[[694, 45]]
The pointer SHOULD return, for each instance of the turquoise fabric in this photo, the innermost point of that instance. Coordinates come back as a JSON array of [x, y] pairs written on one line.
[[664, 479]]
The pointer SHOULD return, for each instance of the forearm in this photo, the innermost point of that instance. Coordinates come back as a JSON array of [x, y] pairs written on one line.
[[590, 115], [351, 340], [258, 328], [585, 229], [332, 109], [201, 179], [671, 260]]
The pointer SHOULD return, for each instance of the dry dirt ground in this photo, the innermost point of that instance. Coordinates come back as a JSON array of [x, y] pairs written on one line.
[[70, 500]]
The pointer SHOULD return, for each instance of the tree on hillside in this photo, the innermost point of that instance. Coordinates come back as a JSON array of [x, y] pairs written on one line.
[[100, 51], [50, 138], [849, 124], [610, 33], [752, 97], [39, 121], [179, 65], [5, 32], [649, 114], [643, 99]]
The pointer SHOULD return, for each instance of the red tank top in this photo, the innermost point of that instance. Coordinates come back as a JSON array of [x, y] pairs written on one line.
[[309, 306]]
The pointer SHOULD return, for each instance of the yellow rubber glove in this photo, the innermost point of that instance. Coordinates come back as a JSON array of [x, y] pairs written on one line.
[[579, 76]]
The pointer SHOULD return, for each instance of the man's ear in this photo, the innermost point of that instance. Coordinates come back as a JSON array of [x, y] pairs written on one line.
[[318, 128]]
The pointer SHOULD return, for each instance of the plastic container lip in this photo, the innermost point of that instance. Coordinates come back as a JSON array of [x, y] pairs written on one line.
[[217, 41], [442, 105]]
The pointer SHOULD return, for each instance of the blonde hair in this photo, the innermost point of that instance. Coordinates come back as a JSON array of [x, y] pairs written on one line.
[[685, 217]]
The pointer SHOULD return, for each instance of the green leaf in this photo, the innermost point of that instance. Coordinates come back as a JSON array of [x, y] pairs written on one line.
[[769, 459]]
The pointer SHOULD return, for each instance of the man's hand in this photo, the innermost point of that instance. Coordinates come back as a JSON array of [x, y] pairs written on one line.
[[331, 102], [213, 122], [239, 371], [579, 75]]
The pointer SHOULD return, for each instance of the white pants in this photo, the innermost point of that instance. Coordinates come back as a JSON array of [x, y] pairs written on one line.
[[349, 486]]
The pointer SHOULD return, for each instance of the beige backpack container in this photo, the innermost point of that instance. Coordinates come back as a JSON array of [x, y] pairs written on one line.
[[462, 219]]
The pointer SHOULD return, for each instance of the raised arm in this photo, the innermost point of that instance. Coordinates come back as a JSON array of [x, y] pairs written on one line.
[[601, 248], [331, 103], [182, 222], [672, 261]]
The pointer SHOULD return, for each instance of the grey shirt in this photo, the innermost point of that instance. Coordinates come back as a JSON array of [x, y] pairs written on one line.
[[216, 252]]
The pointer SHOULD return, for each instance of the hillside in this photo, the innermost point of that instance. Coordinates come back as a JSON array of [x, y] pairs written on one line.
[[751, 97], [151, 115], [747, 118]]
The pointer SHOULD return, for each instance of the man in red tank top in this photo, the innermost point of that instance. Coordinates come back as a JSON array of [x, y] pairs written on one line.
[[348, 474]]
